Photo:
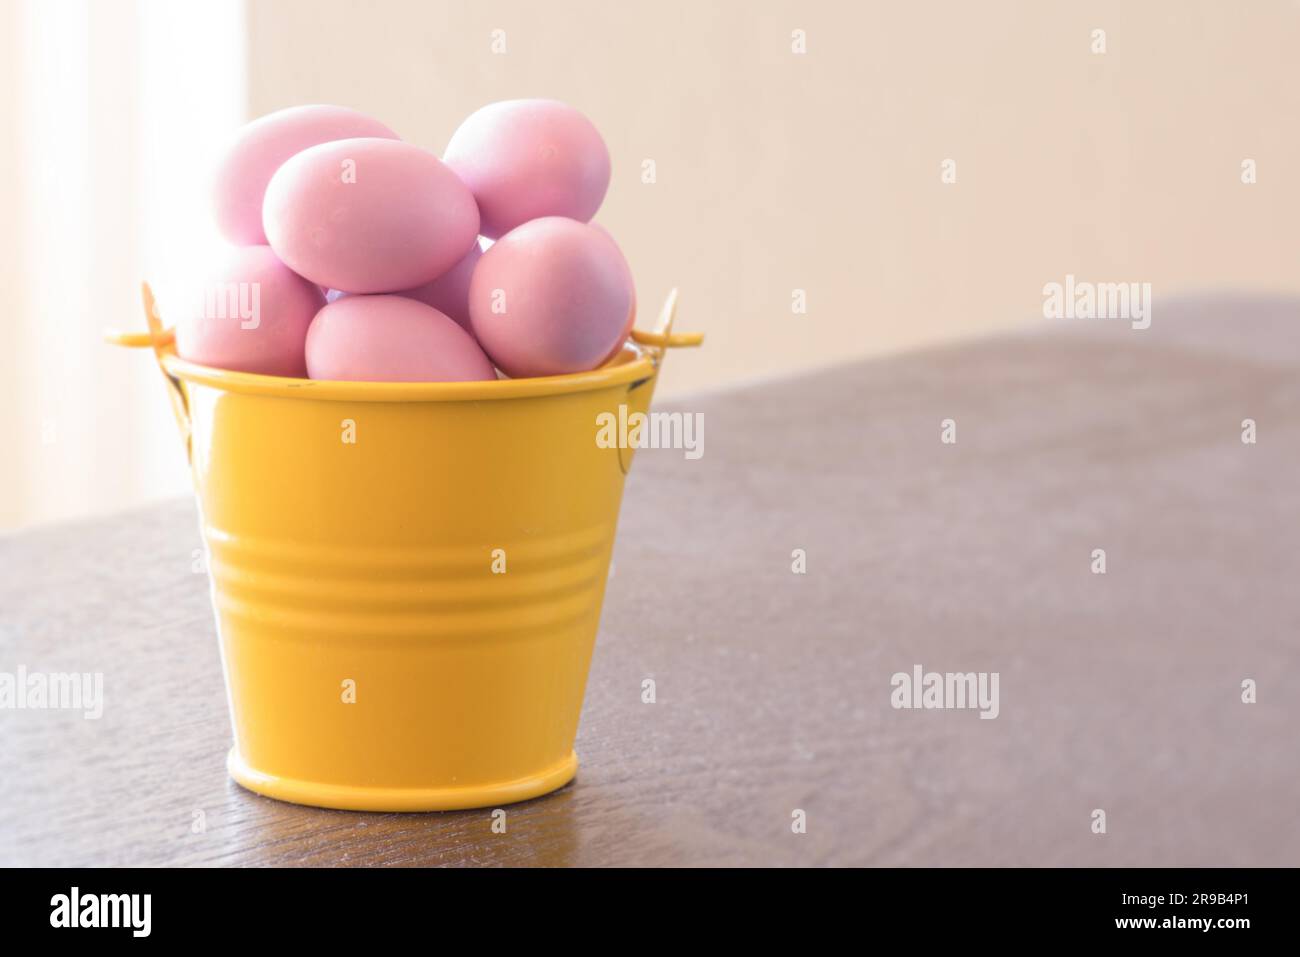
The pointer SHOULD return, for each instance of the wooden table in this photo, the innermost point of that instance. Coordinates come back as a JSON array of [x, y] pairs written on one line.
[[1119, 692]]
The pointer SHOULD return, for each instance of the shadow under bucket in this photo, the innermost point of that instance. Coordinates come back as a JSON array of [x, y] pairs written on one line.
[[407, 577]]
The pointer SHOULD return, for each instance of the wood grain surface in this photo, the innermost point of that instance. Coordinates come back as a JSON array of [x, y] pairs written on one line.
[[1119, 692]]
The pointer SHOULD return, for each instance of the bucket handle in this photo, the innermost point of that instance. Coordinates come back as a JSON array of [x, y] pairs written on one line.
[[662, 337], [656, 342], [162, 341]]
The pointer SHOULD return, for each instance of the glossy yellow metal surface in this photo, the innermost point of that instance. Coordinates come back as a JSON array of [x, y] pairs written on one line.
[[407, 578]]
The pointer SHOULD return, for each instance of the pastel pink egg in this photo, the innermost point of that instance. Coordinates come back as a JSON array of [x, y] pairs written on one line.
[[631, 317], [261, 147], [525, 159], [391, 339], [449, 293], [551, 297], [248, 313], [369, 215], [627, 331]]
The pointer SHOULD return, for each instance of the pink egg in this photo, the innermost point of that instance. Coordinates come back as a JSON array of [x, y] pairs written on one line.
[[449, 293], [631, 316], [391, 339], [369, 215], [259, 150], [525, 159], [249, 313], [627, 331], [551, 297]]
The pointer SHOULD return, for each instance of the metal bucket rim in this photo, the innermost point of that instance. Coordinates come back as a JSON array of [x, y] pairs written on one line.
[[633, 364]]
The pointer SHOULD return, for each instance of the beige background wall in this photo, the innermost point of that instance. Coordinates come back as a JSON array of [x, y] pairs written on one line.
[[822, 171], [775, 171]]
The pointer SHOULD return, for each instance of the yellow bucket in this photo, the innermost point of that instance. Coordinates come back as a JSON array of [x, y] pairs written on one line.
[[407, 577]]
